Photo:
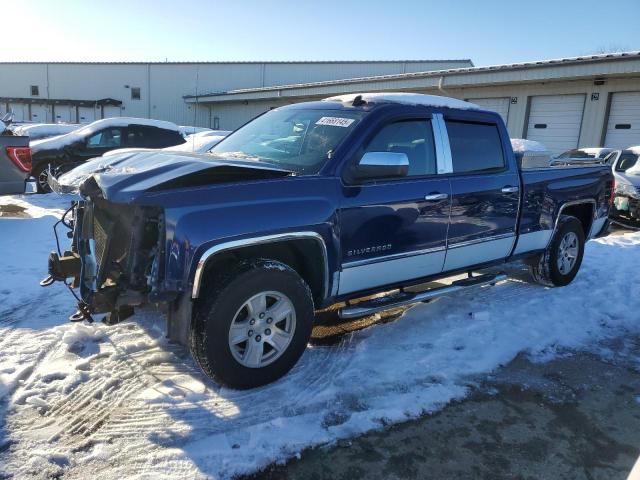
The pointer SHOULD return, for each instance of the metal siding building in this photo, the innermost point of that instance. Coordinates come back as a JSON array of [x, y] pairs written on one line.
[[565, 103], [72, 91]]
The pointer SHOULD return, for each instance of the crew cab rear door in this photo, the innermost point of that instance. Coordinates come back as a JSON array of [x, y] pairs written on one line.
[[485, 192], [394, 229]]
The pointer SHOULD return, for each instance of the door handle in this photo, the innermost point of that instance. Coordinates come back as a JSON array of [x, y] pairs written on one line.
[[510, 189], [432, 197]]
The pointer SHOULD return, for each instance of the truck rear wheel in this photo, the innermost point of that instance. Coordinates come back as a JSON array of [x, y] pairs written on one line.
[[560, 263], [253, 324]]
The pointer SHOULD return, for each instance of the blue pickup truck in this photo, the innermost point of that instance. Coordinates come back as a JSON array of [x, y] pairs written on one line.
[[355, 202]]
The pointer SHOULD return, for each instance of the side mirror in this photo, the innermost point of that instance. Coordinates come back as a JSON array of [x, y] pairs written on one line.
[[382, 165]]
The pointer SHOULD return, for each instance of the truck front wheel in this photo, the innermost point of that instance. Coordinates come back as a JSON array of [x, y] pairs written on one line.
[[253, 324], [560, 263]]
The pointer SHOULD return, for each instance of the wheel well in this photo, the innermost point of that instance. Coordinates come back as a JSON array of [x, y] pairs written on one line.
[[306, 256], [583, 212]]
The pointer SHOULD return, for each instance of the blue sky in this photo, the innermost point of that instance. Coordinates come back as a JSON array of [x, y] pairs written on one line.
[[488, 32]]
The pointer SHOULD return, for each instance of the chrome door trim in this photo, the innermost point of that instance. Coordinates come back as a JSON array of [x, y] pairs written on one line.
[[441, 140], [436, 196], [245, 242], [481, 240]]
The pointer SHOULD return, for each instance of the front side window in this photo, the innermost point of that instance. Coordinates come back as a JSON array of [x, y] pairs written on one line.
[[108, 138], [297, 140], [414, 138], [475, 147]]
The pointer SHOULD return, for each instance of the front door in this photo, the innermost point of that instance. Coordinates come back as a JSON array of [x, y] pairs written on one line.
[[393, 230], [485, 188]]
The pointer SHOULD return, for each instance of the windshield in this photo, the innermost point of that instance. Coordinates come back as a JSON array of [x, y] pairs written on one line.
[[626, 161], [297, 140]]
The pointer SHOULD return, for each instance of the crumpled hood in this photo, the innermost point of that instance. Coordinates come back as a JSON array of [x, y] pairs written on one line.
[[126, 177]]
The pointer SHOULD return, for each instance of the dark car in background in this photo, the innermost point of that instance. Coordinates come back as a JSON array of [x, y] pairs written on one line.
[[626, 201], [59, 154]]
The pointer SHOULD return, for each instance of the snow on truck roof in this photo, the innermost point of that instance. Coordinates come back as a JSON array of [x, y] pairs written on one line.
[[126, 121], [406, 99]]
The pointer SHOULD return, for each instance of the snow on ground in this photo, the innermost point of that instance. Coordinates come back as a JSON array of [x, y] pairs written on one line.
[[91, 401]]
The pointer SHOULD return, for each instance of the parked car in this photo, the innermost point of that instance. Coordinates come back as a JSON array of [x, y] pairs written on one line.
[[581, 156], [15, 163], [124, 158], [38, 131], [61, 153], [318, 204], [626, 200]]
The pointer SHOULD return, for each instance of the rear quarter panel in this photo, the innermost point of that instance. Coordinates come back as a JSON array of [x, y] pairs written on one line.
[[546, 190]]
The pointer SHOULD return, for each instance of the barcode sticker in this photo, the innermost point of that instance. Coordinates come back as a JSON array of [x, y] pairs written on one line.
[[335, 121]]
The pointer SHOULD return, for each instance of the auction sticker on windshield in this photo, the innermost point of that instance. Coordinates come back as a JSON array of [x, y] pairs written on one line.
[[335, 121]]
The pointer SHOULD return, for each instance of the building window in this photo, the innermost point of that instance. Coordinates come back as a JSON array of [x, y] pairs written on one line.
[[135, 93], [216, 123], [35, 90]]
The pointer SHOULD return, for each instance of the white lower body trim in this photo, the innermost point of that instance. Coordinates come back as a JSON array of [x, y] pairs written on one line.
[[362, 277], [467, 255], [597, 226], [529, 242]]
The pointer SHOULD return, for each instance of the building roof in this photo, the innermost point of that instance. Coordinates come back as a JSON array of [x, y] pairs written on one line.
[[252, 62], [62, 101], [537, 70]]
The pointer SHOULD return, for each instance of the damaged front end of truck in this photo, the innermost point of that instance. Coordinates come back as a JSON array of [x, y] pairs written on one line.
[[114, 256], [117, 259]]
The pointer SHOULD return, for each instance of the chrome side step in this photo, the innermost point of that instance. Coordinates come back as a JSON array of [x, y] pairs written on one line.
[[369, 307]]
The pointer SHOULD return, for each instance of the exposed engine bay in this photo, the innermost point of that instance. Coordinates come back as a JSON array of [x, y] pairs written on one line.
[[113, 257]]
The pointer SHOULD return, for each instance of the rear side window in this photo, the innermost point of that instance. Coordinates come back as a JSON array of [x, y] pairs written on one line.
[[475, 147], [413, 138], [151, 137]]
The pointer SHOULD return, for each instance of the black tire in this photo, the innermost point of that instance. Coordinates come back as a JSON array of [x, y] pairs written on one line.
[[546, 270], [213, 316], [40, 173]]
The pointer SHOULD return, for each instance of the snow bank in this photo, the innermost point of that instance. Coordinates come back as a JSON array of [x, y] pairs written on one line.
[[407, 99], [93, 401]]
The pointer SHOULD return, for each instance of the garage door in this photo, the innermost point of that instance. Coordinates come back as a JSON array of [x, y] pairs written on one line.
[[500, 105], [111, 111], [623, 127], [20, 112], [555, 121], [86, 114], [64, 113], [39, 113]]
